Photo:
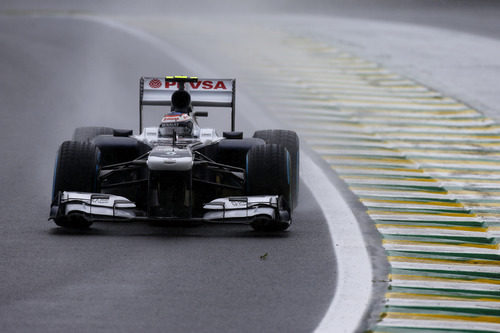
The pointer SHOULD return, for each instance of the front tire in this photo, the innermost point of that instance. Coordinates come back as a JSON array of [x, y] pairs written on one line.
[[268, 173], [290, 140], [76, 170]]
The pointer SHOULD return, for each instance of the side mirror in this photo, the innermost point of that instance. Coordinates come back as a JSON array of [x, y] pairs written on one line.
[[122, 132], [233, 135], [200, 114]]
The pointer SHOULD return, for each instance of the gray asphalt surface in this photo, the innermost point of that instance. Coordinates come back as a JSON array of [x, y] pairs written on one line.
[[60, 73], [472, 16]]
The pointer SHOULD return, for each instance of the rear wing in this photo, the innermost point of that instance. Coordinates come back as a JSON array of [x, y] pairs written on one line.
[[204, 92]]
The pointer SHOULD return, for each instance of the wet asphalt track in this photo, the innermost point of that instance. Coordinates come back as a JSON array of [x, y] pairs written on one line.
[[59, 73]]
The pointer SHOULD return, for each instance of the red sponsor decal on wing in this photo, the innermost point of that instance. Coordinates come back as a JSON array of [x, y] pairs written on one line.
[[205, 85]]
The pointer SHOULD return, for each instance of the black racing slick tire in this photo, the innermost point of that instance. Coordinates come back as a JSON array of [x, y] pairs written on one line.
[[86, 134], [268, 173], [290, 140], [76, 169]]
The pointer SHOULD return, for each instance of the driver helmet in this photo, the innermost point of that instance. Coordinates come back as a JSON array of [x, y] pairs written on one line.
[[181, 123]]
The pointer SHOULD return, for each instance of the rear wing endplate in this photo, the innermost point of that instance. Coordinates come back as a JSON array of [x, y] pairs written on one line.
[[204, 92]]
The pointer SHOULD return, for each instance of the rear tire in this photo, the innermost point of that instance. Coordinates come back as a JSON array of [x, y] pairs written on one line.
[[86, 134], [268, 173], [76, 170], [290, 140]]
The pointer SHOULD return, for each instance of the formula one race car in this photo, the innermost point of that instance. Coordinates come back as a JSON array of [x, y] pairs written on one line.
[[177, 171]]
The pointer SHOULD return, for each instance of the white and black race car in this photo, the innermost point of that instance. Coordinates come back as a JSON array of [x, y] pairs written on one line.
[[177, 171]]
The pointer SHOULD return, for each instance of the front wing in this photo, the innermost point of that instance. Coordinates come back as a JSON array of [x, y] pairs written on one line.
[[107, 207]]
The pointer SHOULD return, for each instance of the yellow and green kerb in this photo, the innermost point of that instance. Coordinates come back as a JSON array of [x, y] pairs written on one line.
[[426, 167]]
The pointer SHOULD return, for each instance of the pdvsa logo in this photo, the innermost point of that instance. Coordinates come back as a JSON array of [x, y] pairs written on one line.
[[200, 85], [205, 85]]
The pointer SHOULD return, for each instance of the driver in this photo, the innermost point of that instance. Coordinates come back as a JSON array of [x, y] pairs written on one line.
[[181, 123]]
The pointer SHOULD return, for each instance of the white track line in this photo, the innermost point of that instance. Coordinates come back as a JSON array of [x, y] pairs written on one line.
[[354, 279]]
